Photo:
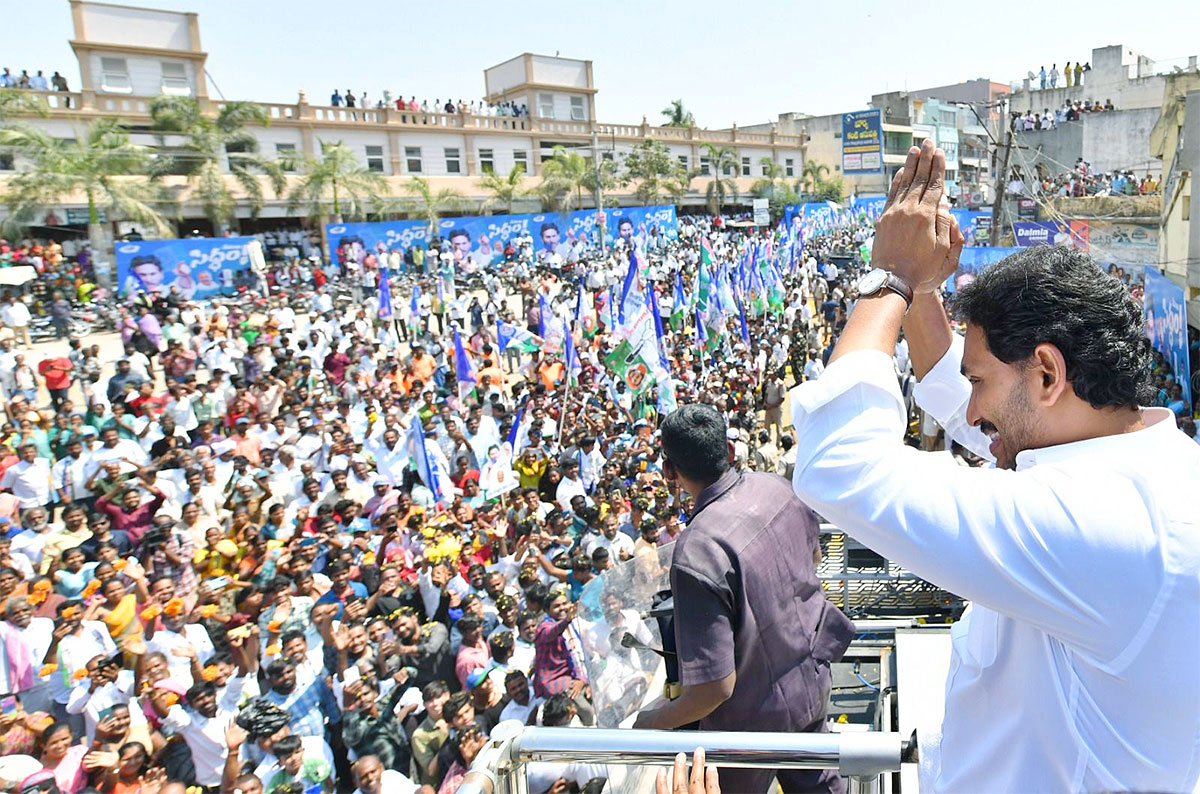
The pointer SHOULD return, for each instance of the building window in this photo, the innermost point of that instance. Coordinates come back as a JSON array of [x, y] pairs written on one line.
[[412, 157], [114, 76], [947, 118], [607, 156], [704, 170], [453, 161], [6, 161], [578, 111], [789, 168], [745, 166], [765, 166], [174, 79], [375, 158], [487, 163], [546, 106], [521, 158], [683, 159]]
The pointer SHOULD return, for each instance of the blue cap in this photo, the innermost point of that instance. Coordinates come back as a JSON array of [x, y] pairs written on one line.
[[476, 677]]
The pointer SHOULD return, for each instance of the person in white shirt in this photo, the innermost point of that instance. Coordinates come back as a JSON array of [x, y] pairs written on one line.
[[15, 315], [814, 367], [28, 478], [371, 778], [1077, 551], [203, 722], [70, 474]]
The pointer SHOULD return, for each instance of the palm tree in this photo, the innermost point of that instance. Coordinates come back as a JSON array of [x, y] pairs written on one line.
[[722, 162], [772, 181], [14, 101], [335, 182], [102, 165], [504, 189], [430, 204], [212, 141], [564, 177], [812, 176], [677, 116]]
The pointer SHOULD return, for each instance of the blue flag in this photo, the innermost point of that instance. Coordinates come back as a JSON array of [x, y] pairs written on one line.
[[701, 334], [745, 330], [385, 294], [429, 468], [653, 301], [514, 432], [574, 367], [414, 307], [630, 277], [464, 371], [543, 310]]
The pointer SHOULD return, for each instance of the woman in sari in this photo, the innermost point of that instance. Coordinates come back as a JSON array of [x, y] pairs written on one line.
[[120, 609]]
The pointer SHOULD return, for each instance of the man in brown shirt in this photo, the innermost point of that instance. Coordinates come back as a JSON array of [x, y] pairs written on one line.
[[754, 633]]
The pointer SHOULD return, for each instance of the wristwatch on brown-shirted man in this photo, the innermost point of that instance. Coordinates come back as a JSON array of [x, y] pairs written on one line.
[[879, 279]]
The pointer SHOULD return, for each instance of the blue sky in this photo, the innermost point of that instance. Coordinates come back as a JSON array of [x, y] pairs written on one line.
[[732, 61]]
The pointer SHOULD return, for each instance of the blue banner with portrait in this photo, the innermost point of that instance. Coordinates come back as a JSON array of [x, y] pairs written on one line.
[[976, 225], [484, 237], [199, 267], [1029, 233], [1164, 308], [974, 260]]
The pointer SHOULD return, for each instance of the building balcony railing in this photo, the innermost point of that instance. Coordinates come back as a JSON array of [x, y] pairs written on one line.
[[137, 109]]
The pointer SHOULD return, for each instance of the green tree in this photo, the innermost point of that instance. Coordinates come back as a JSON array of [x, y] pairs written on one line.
[[564, 178], [335, 183], [655, 171], [772, 180], [429, 204], [15, 102], [814, 186], [505, 190], [722, 164], [677, 115], [211, 142], [811, 176], [102, 165]]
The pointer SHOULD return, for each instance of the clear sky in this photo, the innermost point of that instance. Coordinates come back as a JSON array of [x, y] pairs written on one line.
[[729, 61]]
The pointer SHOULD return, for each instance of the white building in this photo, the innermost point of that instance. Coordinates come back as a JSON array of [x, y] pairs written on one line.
[[128, 56]]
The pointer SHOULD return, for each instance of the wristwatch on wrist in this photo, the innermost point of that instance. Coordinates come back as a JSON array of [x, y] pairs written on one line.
[[880, 279]]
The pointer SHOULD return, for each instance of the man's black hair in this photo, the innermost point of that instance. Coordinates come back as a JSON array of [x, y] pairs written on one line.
[[557, 710], [289, 636], [434, 690], [546, 226], [1062, 297], [693, 440], [459, 233], [285, 746], [469, 623], [201, 689], [457, 702]]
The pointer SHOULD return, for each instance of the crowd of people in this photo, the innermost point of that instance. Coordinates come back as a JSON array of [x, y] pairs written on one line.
[[299, 549], [1050, 119], [474, 108], [1072, 75], [1082, 180], [34, 82]]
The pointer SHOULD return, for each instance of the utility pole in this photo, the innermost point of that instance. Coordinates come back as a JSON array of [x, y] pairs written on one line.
[[598, 197], [1001, 184]]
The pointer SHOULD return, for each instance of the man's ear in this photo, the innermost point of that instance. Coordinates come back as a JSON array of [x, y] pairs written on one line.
[[1049, 374]]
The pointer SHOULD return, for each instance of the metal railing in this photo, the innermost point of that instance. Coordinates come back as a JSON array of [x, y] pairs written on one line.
[[499, 766]]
